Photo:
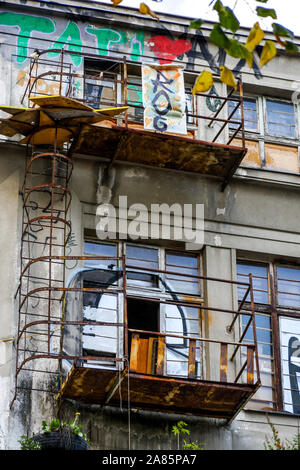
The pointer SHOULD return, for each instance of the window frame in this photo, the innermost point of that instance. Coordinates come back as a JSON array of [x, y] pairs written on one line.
[[276, 312], [265, 99], [258, 125], [158, 293]]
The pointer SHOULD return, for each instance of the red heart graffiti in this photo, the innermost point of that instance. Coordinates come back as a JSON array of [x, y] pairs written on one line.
[[166, 50]]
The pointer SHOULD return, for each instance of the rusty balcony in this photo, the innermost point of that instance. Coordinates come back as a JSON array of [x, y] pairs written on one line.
[[207, 148], [161, 371]]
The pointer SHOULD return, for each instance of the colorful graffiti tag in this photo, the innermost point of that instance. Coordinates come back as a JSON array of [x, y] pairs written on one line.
[[73, 37], [43, 32], [164, 98]]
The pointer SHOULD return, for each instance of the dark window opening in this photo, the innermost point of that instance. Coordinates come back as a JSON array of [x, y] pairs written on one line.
[[100, 84], [143, 315]]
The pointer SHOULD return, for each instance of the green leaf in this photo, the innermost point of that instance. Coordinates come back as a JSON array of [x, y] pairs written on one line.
[[196, 24], [291, 47], [238, 50], [280, 30], [265, 12], [255, 36], [218, 37], [268, 53], [262, 1], [226, 17]]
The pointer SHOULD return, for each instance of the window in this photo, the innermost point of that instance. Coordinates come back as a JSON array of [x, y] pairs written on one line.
[[141, 257], [280, 310], [145, 312], [280, 119], [265, 397], [101, 83], [250, 114], [288, 286]]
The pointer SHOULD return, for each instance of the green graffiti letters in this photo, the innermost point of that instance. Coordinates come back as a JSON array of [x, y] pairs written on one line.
[[107, 37], [72, 37], [137, 46], [26, 24]]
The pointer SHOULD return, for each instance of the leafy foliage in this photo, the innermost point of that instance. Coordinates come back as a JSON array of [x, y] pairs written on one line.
[[179, 429], [275, 442], [223, 35], [27, 443], [57, 425]]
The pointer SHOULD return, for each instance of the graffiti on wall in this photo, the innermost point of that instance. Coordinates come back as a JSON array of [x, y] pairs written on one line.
[[38, 31], [73, 37], [164, 99], [290, 363]]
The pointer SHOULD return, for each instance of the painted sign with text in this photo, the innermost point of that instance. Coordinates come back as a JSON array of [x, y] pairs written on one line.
[[164, 98]]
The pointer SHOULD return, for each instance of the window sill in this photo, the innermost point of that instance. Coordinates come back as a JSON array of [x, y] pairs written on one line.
[[266, 175]]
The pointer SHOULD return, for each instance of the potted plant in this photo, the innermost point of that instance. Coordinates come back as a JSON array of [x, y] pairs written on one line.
[[57, 435]]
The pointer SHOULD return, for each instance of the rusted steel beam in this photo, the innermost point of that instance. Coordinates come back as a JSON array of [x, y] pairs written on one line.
[[114, 385], [223, 362], [250, 366], [276, 346], [64, 356], [192, 359], [225, 99], [184, 304], [254, 326], [196, 338], [241, 371], [185, 275]]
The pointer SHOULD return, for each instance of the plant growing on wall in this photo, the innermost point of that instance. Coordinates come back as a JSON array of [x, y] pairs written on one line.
[[179, 430], [57, 434], [276, 443], [223, 35]]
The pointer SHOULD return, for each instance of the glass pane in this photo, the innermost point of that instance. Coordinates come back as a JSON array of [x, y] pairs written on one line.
[[100, 249], [260, 281], [288, 285], [250, 114], [145, 258], [281, 118], [182, 264]]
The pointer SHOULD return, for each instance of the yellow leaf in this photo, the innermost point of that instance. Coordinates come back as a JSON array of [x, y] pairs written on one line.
[[145, 10], [256, 35], [227, 77], [203, 83], [268, 53], [116, 2]]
